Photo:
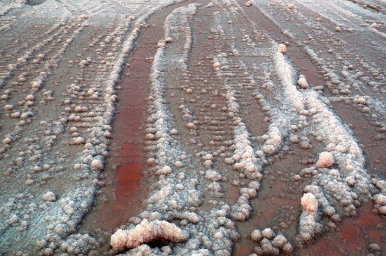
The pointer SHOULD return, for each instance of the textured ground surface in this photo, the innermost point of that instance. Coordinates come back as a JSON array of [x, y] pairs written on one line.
[[191, 125]]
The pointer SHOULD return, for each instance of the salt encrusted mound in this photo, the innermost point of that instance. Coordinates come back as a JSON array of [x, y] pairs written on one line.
[[269, 243], [302, 82], [326, 159], [49, 197], [286, 72], [309, 225], [282, 48], [145, 232], [342, 189], [309, 202], [380, 198]]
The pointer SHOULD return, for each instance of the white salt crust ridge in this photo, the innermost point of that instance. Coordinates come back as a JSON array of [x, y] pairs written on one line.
[[346, 196], [354, 15], [375, 105], [35, 226], [350, 184], [7, 6], [244, 154], [323, 32], [246, 162], [327, 199], [58, 219], [286, 74], [176, 193], [146, 232], [322, 198], [349, 77]]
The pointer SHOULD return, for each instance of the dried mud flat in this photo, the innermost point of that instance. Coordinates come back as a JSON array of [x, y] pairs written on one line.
[[201, 127]]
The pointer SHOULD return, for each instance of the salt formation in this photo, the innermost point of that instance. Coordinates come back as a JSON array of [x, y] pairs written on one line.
[[309, 202], [282, 48], [291, 6], [145, 232], [326, 159], [217, 122], [49, 197], [270, 243], [41, 221], [302, 82], [177, 196], [350, 161]]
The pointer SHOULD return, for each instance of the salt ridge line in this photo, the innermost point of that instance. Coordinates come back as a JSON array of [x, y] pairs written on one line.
[[241, 210], [158, 121], [276, 112], [340, 44], [37, 84], [70, 211], [346, 187], [366, 102], [301, 15], [360, 21], [22, 60], [244, 155], [335, 79], [97, 161], [303, 222], [357, 31], [37, 46], [209, 233], [75, 195], [247, 163], [28, 111], [15, 4], [336, 12]]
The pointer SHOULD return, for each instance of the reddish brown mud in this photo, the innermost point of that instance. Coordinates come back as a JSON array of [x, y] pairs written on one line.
[[353, 236], [124, 175]]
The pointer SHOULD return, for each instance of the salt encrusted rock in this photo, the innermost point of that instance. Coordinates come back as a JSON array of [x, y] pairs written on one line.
[[268, 233], [164, 170], [287, 248], [380, 199], [309, 202], [279, 241], [168, 40], [49, 197], [326, 159], [248, 4], [173, 132], [6, 141], [145, 232], [302, 82], [8, 107], [256, 235], [374, 247], [291, 6], [213, 175], [97, 165], [78, 141], [282, 48]]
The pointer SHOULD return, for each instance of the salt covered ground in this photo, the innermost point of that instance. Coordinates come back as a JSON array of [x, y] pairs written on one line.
[[166, 127]]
